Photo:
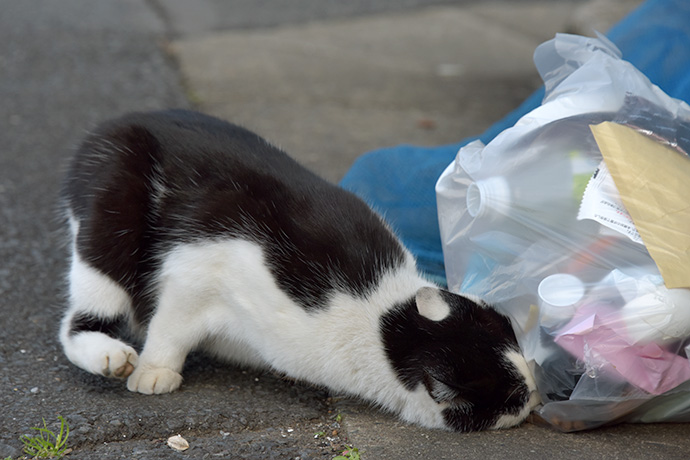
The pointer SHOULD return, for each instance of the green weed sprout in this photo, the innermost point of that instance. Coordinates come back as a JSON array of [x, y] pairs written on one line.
[[47, 444], [351, 453]]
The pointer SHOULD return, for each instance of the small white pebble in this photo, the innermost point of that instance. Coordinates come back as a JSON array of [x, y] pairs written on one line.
[[177, 442], [34, 390]]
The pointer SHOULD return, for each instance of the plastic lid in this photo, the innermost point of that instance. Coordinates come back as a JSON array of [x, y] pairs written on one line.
[[490, 193], [561, 290]]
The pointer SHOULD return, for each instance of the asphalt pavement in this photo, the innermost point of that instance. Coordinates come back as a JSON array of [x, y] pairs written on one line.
[[325, 79]]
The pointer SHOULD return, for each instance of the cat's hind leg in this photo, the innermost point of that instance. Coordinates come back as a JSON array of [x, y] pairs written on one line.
[[98, 308]]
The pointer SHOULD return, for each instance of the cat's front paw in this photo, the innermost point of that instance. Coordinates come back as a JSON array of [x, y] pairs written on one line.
[[154, 380], [119, 363]]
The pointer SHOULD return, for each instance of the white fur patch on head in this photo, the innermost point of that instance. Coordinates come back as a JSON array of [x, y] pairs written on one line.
[[431, 305], [522, 368], [516, 359], [73, 225]]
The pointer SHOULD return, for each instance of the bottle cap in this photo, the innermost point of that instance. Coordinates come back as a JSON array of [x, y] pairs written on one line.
[[492, 193]]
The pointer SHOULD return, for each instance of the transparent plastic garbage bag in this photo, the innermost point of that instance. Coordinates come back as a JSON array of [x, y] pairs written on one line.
[[533, 223]]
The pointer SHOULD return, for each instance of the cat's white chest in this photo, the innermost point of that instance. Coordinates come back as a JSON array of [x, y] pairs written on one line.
[[228, 287], [225, 289]]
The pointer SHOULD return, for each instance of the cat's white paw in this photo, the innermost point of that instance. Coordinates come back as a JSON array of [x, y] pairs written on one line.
[[154, 380], [120, 362], [100, 354]]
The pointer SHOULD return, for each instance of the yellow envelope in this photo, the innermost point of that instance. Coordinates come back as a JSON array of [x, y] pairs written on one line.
[[654, 184]]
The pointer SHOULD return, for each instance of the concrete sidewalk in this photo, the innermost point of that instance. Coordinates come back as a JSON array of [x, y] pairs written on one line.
[[329, 90], [326, 79]]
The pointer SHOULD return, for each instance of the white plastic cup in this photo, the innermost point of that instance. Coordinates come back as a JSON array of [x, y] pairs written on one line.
[[559, 295]]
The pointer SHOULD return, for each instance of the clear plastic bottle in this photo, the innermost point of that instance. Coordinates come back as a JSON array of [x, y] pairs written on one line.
[[488, 196]]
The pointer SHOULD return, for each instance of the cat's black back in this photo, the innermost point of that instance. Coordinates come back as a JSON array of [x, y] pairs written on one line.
[[145, 182]]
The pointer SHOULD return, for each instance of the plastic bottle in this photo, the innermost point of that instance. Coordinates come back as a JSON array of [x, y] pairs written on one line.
[[487, 196], [539, 193]]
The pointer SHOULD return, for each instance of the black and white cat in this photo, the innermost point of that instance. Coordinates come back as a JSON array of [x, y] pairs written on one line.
[[192, 233]]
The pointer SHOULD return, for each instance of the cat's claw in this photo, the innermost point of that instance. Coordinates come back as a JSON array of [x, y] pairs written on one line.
[[154, 380], [119, 364]]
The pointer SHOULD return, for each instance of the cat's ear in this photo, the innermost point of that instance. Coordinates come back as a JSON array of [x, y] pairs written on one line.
[[431, 305], [444, 391], [440, 391]]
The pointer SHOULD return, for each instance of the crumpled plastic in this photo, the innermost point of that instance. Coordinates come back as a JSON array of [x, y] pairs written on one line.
[[536, 222]]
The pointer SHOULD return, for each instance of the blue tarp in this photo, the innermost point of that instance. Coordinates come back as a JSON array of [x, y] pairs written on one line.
[[399, 181]]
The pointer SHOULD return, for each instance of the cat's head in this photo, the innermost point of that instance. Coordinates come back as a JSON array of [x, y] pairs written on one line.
[[465, 355]]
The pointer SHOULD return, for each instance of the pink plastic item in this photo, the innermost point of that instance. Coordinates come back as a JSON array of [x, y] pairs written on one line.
[[597, 336]]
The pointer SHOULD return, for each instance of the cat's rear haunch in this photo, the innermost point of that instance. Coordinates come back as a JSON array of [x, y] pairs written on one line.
[[192, 233]]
